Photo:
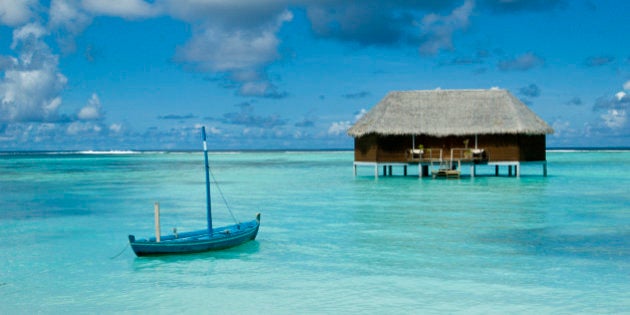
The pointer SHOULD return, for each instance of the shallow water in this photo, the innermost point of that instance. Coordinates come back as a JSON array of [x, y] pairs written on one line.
[[329, 242]]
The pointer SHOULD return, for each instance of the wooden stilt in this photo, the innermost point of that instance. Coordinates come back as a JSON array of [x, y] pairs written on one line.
[[156, 208], [496, 170], [405, 170], [545, 168], [509, 170], [390, 170]]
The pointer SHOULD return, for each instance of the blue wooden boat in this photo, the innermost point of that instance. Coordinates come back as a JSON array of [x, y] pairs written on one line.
[[201, 240]]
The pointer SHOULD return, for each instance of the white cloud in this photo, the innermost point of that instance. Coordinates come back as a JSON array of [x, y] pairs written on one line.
[[216, 49], [67, 19], [626, 86], [115, 128], [82, 128], [121, 8], [214, 131], [438, 30], [341, 127], [68, 14], [27, 32], [240, 53], [613, 109], [16, 12], [92, 111], [52, 106], [89, 113], [254, 88], [360, 114], [614, 118], [254, 132], [30, 88], [338, 128], [562, 128]]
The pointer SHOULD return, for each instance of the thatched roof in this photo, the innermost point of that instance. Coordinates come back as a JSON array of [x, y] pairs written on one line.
[[450, 113]]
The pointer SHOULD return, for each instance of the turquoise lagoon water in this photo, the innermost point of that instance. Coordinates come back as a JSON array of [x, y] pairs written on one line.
[[329, 242]]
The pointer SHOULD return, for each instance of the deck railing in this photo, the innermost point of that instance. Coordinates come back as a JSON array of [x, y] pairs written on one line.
[[465, 154], [432, 155], [437, 155], [425, 155]]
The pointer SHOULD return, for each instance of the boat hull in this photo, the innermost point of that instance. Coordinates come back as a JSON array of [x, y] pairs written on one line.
[[197, 241]]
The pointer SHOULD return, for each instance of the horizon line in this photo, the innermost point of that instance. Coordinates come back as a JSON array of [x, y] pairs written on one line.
[[131, 151]]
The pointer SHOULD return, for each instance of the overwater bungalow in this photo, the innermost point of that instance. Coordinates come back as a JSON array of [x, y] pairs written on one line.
[[442, 131]]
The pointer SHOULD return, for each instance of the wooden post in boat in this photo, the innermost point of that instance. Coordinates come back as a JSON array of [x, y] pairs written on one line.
[[208, 207], [156, 208]]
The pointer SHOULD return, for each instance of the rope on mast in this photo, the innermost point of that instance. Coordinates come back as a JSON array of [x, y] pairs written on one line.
[[227, 205]]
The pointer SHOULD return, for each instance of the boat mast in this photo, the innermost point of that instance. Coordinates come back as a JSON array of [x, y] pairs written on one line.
[[208, 207]]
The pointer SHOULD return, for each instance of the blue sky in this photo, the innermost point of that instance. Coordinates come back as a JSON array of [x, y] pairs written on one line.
[[295, 74]]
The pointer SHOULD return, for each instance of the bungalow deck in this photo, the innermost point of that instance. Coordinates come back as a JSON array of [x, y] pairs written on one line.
[[431, 162], [513, 168]]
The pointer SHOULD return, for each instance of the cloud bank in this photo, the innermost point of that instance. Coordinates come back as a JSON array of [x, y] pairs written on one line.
[[237, 41]]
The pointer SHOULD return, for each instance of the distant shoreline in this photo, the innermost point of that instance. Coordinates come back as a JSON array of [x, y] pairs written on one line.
[[129, 152]]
